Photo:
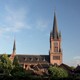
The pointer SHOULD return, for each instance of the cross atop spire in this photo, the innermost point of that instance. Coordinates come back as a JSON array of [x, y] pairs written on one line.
[[55, 28]]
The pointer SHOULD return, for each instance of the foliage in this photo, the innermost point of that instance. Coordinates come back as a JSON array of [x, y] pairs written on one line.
[[72, 67], [16, 62], [57, 72], [17, 70], [5, 64], [6, 61], [11, 69]]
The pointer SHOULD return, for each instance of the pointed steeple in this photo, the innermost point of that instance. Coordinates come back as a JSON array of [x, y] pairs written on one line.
[[14, 52], [14, 47], [55, 28]]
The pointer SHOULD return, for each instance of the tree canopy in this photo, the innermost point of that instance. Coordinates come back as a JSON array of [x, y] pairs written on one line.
[[57, 72], [5, 64], [16, 62]]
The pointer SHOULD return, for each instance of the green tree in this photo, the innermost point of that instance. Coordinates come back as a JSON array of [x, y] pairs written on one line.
[[20, 73], [5, 64], [16, 62], [57, 72]]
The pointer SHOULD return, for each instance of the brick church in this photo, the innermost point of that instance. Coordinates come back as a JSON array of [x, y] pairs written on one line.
[[30, 62]]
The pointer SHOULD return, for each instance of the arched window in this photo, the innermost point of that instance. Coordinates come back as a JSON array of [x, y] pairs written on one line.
[[55, 44], [56, 49]]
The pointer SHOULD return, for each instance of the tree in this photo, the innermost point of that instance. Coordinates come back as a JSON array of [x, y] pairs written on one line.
[[20, 73], [57, 72], [5, 64], [16, 62]]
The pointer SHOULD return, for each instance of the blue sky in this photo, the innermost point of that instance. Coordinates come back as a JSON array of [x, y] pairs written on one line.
[[30, 23]]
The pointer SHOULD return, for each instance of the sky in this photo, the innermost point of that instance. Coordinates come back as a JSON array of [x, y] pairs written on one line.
[[30, 22]]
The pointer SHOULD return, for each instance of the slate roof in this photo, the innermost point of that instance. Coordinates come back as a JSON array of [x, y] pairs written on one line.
[[14, 46], [33, 58], [54, 32]]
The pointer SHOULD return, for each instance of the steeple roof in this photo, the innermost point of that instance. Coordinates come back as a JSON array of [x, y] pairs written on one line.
[[55, 28], [14, 46], [14, 51]]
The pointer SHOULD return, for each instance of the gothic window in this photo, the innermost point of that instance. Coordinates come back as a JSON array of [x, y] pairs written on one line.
[[55, 44], [56, 57], [55, 49]]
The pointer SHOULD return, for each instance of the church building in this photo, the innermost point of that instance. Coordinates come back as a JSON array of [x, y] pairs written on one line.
[[43, 61]]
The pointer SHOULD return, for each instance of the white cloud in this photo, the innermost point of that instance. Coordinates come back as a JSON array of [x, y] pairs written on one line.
[[75, 61], [77, 57], [14, 20], [41, 24]]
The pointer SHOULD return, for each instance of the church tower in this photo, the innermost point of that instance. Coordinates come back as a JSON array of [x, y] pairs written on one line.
[[55, 44]]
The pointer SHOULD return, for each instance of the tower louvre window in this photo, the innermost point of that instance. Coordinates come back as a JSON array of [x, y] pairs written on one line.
[[56, 57]]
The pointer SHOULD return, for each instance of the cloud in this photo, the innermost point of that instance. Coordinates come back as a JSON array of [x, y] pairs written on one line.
[[75, 61], [77, 57], [14, 20], [41, 24]]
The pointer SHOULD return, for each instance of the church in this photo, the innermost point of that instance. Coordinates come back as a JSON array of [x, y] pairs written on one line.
[[33, 62]]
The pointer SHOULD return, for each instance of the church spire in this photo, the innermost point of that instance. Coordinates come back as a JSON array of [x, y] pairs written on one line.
[[55, 28], [14, 47], [14, 52]]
